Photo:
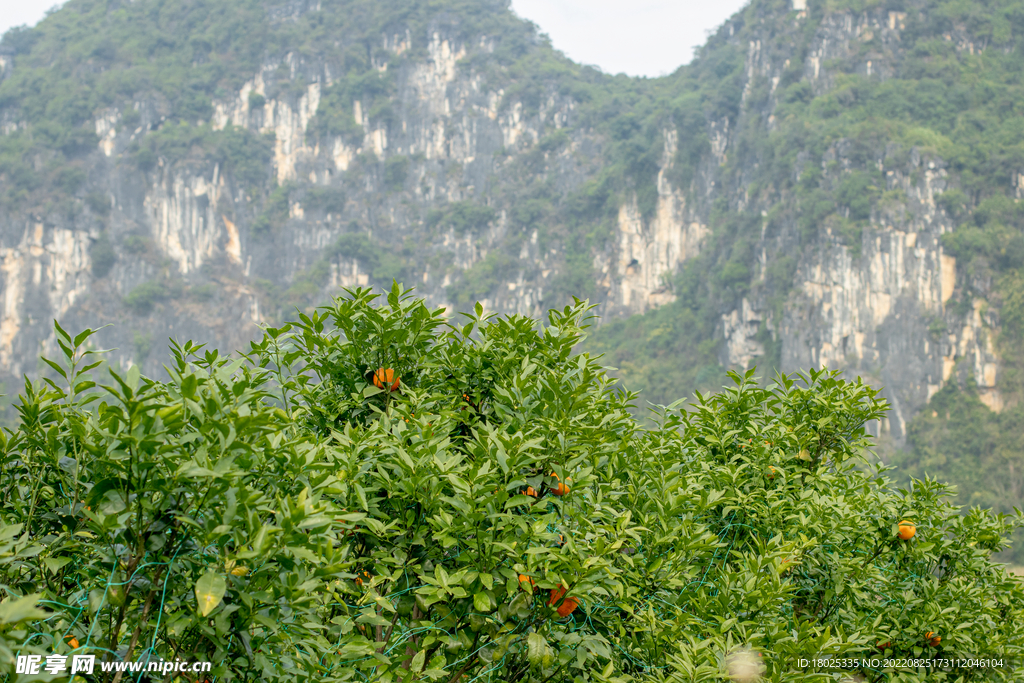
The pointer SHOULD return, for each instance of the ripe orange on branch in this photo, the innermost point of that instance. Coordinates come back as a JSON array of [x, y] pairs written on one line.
[[384, 378], [561, 489], [933, 638], [907, 530], [568, 605]]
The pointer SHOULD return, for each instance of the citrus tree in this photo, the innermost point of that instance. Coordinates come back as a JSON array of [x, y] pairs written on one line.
[[814, 552], [374, 492]]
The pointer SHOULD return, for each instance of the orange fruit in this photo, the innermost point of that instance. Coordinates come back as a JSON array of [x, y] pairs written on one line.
[[72, 641], [359, 579], [523, 578], [907, 530], [384, 378], [561, 489], [568, 605], [933, 638], [530, 491], [884, 646], [771, 472]]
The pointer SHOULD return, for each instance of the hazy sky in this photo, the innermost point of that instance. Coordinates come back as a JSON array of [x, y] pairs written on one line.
[[638, 37]]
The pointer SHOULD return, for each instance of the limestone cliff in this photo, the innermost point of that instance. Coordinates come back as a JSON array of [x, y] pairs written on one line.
[[436, 178], [879, 307]]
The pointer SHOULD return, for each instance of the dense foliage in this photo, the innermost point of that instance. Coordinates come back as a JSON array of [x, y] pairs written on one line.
[[485, 508], [958, 439], [168, 60], [959, 106]]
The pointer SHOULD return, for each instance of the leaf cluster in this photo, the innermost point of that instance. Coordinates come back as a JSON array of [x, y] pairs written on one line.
[[287, 517]]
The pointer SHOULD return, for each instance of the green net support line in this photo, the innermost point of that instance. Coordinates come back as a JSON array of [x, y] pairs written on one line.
[[163, 601]]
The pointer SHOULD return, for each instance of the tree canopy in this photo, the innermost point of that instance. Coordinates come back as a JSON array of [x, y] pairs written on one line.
[[375, 492]]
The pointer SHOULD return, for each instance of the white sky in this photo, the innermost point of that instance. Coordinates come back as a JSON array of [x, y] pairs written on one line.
[[637, 37], [18, 12]]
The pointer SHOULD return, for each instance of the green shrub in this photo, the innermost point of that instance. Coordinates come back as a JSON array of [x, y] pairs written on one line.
[[735, 275], [553, 142], [954, 423], [244, 154], [858, 192], [130, 119], [140, 299], [275, 211], [481, 278], [382, 262], [396, 170], [143, 156], [68, 179], [463, 217], [102, 255], [98, 203], [326, 199], [136, 244], [203, 292], [284, 518]]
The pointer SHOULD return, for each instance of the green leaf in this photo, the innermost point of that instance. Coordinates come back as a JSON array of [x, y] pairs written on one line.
[[97, 598], [537, 650], [55, 563], [210, 590], [82, 336], [17, 610], [132, 378], [60, 332], [482, 602], [58, 369], [188, 386]]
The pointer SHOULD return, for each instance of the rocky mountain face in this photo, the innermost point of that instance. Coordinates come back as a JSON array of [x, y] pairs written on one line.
[[510, 180]]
